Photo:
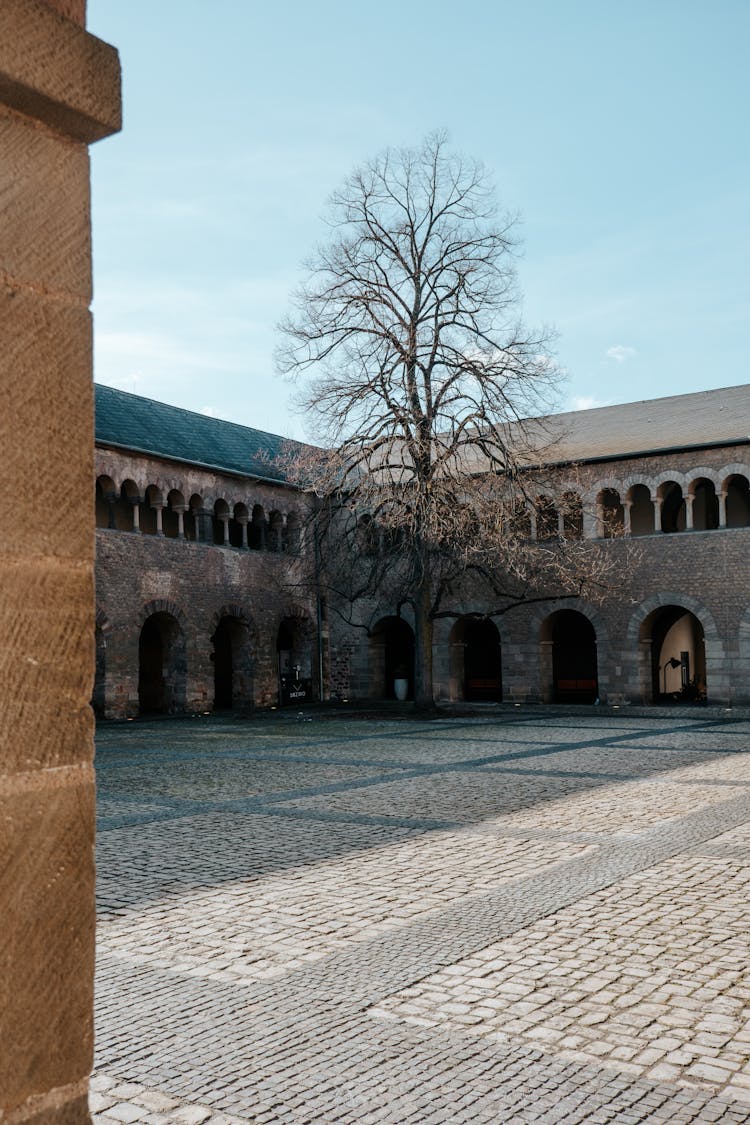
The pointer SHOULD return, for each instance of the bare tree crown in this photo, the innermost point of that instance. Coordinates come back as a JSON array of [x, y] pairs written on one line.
[[408, 321]]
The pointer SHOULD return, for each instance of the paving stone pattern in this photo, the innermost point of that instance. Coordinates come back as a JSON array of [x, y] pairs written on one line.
[[521, 919]]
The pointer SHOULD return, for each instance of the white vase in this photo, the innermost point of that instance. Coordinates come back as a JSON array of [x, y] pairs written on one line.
[[400, 688]]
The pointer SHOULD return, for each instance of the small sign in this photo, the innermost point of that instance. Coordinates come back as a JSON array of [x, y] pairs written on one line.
[[295, 689]]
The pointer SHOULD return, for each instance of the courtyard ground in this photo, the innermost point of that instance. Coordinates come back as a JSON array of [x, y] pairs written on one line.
[[530, 917]]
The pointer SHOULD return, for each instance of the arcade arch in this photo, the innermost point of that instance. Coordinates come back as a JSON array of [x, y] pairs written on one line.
[[232, 660], [391, 651], [704, 504], [295, 655], [673, 652], [568, 658], [641, 510], [672, 506], [476, 660], [737, 492], [161, 665]]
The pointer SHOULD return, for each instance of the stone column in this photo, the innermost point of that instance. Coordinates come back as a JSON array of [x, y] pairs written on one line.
[[656, 501], [626, 506], [136, 504], [599, 520], [59, 91], [180, 509], [224, 518], [243, 522], [722, 496], [589, 523], [689, 512], [158, 506]]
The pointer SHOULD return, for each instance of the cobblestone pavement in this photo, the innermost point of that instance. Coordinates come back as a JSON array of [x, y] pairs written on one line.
[[529, 918]]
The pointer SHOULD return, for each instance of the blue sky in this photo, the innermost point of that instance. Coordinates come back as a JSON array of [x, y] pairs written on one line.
[[618, 132]]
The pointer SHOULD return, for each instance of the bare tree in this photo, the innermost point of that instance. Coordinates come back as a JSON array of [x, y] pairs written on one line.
[[422, 377]]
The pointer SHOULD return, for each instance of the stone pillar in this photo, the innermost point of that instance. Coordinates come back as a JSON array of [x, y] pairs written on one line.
[[656, 501], [589, 523], [158, 506], [59, 91], [136, 503], [224, 518], [180, 509], [722, 508], [243, 522], [626, 506], [689, 512], [599, 520]]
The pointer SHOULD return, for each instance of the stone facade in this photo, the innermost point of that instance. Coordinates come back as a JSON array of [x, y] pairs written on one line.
[[59, 91], [204, 555], [209, 553]]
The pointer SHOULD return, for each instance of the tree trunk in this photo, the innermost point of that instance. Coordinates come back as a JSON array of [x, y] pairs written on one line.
[[423, 696]]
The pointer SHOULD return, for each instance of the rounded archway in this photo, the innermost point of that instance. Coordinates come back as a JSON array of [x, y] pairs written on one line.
[[672, 507], [569, 660], [737, 490], [391, 657], [294, 648], [673, 641], [232, 666], [161, 665], [705, 504], [106, 496], [476, 662], [99, 693], [641, 510]]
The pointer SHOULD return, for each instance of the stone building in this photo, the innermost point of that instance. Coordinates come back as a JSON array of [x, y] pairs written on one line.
[[199, 540]]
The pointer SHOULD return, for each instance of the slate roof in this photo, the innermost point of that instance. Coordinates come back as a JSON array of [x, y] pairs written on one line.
[[702, 418], [143, 425]]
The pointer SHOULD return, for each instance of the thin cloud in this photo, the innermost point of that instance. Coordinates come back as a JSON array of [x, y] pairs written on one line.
[[620, 353], [586, 402]]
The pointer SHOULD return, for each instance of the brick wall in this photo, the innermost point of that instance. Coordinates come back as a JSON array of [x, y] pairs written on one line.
[[197, 583]]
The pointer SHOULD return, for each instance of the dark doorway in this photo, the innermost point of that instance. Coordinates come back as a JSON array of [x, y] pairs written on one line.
[[161, 670], [574, 664], [476, 665], [223, 665], [391, 657], [233, 668], [151, 668], [482, 665], [295, 655]]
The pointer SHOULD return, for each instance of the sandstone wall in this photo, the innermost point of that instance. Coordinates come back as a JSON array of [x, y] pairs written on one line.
[[59, 90]]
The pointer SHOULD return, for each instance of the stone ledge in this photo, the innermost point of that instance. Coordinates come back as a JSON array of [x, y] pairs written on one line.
[[53, 70]]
